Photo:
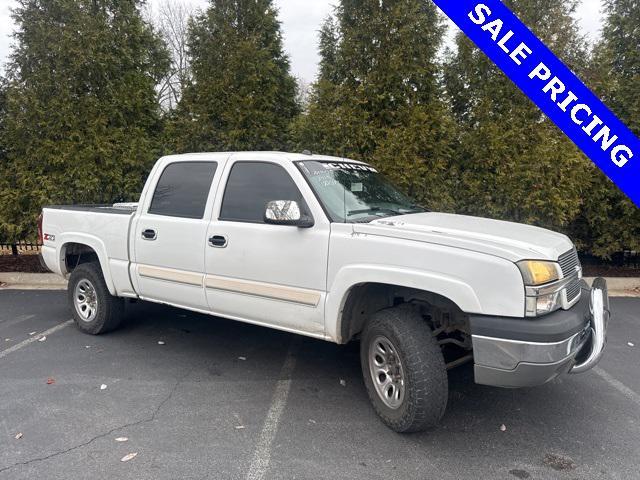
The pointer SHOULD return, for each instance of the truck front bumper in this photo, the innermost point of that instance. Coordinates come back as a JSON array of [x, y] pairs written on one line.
[[523, 352]]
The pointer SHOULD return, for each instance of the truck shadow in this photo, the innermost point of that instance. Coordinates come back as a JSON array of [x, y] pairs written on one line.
[[520, 433], [211, 341]]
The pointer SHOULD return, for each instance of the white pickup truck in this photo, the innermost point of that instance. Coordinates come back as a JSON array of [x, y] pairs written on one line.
[[326, 247]]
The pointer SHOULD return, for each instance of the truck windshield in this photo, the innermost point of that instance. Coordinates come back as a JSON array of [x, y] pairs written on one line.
[[354, 192]]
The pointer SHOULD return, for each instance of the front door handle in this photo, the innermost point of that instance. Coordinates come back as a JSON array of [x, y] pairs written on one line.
[[218, 241], [149, 234]]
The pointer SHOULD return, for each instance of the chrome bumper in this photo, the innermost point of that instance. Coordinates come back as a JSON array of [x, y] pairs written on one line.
[[600, 313], [507, 362]]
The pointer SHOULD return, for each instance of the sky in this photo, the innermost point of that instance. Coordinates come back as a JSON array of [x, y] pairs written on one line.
[[301, 20]]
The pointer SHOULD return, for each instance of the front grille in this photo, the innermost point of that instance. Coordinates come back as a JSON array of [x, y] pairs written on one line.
[[573, 290], [568, 262]]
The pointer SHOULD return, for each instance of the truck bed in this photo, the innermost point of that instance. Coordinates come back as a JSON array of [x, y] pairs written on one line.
[[117, 209], [103, 228]]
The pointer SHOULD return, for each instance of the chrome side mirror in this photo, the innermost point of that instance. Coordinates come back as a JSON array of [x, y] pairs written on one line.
[[286, 212]]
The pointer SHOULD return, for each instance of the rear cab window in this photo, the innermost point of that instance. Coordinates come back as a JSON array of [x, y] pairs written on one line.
[[183, 189]]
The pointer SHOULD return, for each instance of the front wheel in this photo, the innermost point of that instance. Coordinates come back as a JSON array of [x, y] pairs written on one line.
[[95, 310], [404, 370]]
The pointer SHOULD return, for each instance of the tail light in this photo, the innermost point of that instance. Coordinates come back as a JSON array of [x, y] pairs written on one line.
[[40, 236]]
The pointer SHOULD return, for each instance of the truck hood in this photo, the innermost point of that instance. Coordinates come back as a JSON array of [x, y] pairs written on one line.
[[512, 241]]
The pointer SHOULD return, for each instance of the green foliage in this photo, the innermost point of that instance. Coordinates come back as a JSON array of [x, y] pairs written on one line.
[[82, 114], [610, 222], [514, 163], [377, 97], [242, 96]]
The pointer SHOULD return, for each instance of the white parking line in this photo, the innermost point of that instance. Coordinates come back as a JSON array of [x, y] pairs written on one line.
[[618, 385], [262, 455], [35, 338]]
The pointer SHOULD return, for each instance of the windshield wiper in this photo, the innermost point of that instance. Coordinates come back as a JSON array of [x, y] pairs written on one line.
[[374, 209]]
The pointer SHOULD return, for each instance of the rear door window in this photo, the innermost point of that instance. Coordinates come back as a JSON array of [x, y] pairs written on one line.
[[183, 189]]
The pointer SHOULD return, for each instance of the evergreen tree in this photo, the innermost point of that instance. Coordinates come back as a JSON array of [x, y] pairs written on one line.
[[514, 163], [242, 96], [610, 222], [377, 97], [82, 112]]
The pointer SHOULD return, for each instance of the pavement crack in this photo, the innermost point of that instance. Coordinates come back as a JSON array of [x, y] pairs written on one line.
[[148, 419]]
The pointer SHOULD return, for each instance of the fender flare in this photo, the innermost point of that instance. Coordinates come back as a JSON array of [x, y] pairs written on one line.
[[94, 243], [454, 289]]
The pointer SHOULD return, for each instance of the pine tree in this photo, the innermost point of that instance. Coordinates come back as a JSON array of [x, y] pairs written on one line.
[[514, 163], [82, 112], [242, 96], [610, 222], [377, 97]]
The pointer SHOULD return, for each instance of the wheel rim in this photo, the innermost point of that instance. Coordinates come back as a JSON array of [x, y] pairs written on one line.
[[386, 372], [86, 300]]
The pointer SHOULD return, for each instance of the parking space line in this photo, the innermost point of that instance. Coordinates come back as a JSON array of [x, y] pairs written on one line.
[[262, 454], [618, 385], [35, 338]]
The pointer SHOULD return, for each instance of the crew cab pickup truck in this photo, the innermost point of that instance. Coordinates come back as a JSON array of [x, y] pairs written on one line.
[[326, 247]]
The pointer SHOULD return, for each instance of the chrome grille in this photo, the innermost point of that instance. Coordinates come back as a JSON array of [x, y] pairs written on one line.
[[573, 290], [568, 262]]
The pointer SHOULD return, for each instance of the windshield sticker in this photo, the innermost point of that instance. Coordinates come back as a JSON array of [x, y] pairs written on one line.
[[349, 166], [356, 187]]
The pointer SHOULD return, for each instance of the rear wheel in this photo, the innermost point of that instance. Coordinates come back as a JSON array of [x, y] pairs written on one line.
[[404, 370], [95, 310]]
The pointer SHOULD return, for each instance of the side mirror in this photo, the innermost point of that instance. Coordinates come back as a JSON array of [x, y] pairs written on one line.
[[286, 212]]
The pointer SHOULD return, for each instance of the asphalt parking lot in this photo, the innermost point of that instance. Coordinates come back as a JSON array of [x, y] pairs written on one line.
[[220, 399]]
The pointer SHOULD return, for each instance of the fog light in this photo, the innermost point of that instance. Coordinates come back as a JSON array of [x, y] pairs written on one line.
[[543, 304]]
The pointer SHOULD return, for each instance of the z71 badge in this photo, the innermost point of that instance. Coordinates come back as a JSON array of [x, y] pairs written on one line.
[[49, 237]]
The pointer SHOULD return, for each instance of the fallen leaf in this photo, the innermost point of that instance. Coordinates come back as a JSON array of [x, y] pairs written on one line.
[[242, 358], [18, 436], [32, 333], [103, 387], [503, 428], [51, 381], [239, 427], [631, 344], [129, 456], [42, 338], [121, 439], [343, 383], [311, 420], [160, 342]]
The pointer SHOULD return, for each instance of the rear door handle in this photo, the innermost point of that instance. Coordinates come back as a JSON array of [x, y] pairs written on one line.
[[149, 234], [218, 241]]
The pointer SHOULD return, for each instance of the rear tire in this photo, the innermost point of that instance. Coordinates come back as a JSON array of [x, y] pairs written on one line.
[[404, 370], [95, 310]]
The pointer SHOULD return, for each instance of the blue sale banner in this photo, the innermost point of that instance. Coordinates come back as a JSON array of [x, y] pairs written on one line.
[[555, 89]]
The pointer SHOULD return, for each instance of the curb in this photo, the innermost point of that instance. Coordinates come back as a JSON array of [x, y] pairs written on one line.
[[31, 281], [618, 286]]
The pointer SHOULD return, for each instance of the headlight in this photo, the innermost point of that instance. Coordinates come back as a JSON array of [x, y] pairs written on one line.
[[535, 272]]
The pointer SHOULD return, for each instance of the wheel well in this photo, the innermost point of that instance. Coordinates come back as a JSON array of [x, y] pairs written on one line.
[[442, 314], [75, 254]]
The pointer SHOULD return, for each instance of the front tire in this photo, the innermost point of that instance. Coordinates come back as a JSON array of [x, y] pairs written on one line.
[[404, 370], [95, 310]]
